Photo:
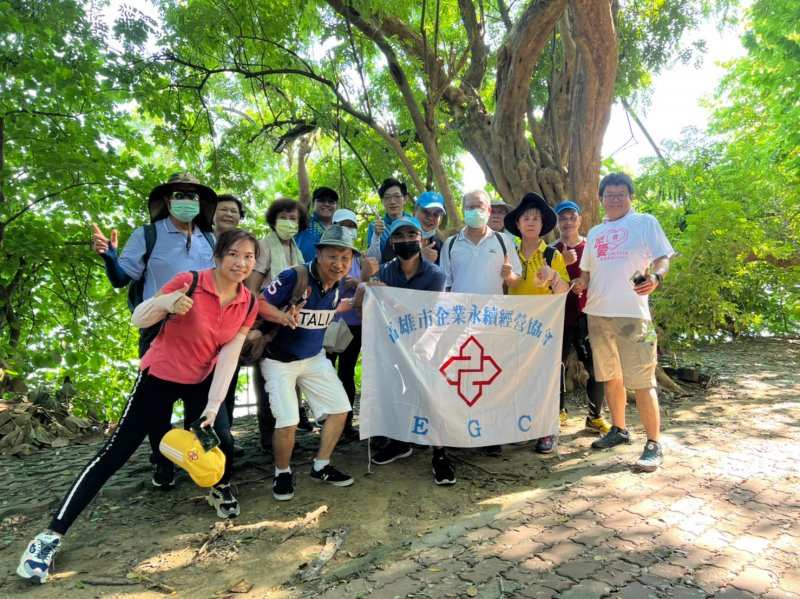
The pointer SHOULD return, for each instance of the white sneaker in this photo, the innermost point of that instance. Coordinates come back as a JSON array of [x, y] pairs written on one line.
[[224, 501], [37, 559]]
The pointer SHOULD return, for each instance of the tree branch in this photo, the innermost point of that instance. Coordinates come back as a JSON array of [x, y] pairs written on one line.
[[636, 119], [39, 200], [788, 262]]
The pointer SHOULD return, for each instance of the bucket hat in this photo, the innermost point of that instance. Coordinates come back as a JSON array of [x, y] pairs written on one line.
[[157, 205], [531, 200]]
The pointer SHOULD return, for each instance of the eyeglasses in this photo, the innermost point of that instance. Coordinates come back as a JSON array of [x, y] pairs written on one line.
[[615, 196], [393, 196], [184, 195], [431, 213]]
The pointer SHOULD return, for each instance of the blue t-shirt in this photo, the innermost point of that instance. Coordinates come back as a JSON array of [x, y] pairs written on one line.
[[429, 276], [308, 239], [306, 340]]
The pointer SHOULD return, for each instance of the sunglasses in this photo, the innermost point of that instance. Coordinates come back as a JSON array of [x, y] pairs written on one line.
[[184, 195]]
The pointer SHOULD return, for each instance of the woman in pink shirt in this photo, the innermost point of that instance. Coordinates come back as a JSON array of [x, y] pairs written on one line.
[[193, 359]]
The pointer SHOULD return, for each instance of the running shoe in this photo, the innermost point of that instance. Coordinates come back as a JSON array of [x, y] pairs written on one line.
[[283, 486], [393, 450], [616, 436], [545, 444], [222, 499], [598, 425], [36, 561], [652, 457], [331, 476], [163, 475], [443, 471]]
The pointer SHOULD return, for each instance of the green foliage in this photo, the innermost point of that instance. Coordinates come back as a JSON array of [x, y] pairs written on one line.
[[732, 205]]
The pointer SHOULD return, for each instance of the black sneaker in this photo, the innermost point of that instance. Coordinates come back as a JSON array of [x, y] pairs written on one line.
[[393, 450], [283, 486], [444, 473], [222, 499], [652, 457], [493, 451], [616, 436], [163, 475], [332, 476]]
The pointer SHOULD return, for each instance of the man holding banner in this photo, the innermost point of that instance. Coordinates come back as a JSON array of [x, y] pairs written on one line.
[[409, 270], [462, 369], [480, 260]]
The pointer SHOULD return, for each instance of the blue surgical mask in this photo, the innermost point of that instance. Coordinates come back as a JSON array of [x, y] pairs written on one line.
[[476, 218], [184, 210]]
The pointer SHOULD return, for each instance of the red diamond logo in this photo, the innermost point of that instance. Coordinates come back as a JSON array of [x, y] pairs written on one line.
[[470, 370]]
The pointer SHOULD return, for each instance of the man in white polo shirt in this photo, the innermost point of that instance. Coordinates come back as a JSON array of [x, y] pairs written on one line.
[[624, 261], [480, 260]]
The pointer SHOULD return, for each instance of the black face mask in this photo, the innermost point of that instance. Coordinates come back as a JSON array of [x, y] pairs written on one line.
[[406, 249]]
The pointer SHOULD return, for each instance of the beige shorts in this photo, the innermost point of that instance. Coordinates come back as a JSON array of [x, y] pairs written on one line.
[[624, 348]]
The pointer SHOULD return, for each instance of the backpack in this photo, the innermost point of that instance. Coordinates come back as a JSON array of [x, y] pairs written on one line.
[[136, 288], [497, 236], [263, 332]]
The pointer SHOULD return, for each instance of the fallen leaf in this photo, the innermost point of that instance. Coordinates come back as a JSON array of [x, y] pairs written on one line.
[[472, 591]]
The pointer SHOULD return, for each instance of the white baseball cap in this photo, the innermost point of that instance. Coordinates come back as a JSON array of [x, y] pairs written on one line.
[[343, 214]]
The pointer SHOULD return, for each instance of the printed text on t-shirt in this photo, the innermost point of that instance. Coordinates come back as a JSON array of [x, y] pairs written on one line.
[[608, 244]]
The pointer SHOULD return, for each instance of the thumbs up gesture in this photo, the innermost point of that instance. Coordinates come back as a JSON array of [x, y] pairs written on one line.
[[544, 275], [570, 255], [428, 251], [100, 243], [379, 226], [505, 270], [183, 303]]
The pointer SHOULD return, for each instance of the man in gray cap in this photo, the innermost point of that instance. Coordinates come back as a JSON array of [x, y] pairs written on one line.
[[296, 358]]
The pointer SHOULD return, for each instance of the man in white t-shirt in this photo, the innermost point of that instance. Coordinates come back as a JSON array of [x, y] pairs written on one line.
[[625, 260]]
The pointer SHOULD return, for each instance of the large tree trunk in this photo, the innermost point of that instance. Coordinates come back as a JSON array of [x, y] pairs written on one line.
[[593, 94]]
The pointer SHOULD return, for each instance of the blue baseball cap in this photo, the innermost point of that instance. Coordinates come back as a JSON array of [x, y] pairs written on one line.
[[404, 221], [567, 205], [431, 199]]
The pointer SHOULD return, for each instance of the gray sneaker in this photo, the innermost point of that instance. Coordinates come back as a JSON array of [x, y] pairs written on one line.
[[616, 436], [652, 457]]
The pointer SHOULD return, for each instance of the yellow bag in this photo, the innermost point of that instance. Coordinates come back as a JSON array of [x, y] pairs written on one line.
[[183, 449]]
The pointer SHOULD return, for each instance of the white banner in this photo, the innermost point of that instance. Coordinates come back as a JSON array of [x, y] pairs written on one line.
[[460, 369]]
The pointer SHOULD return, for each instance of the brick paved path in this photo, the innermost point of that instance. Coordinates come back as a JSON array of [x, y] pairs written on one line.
[[721, 520]]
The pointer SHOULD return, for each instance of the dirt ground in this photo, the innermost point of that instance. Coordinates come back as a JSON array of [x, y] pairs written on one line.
[[137, 542]]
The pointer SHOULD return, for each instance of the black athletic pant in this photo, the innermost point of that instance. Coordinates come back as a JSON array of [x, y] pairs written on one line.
[[347, 368], [578, 337], [147, 413]]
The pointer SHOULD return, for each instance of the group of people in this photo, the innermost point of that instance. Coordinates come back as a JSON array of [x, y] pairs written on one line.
[[201, 289]]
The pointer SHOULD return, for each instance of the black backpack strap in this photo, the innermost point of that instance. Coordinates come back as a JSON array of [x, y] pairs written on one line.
[[502, 243], [193, 286], [149, 243], [549, 254], [450, 245], [136, 288]]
